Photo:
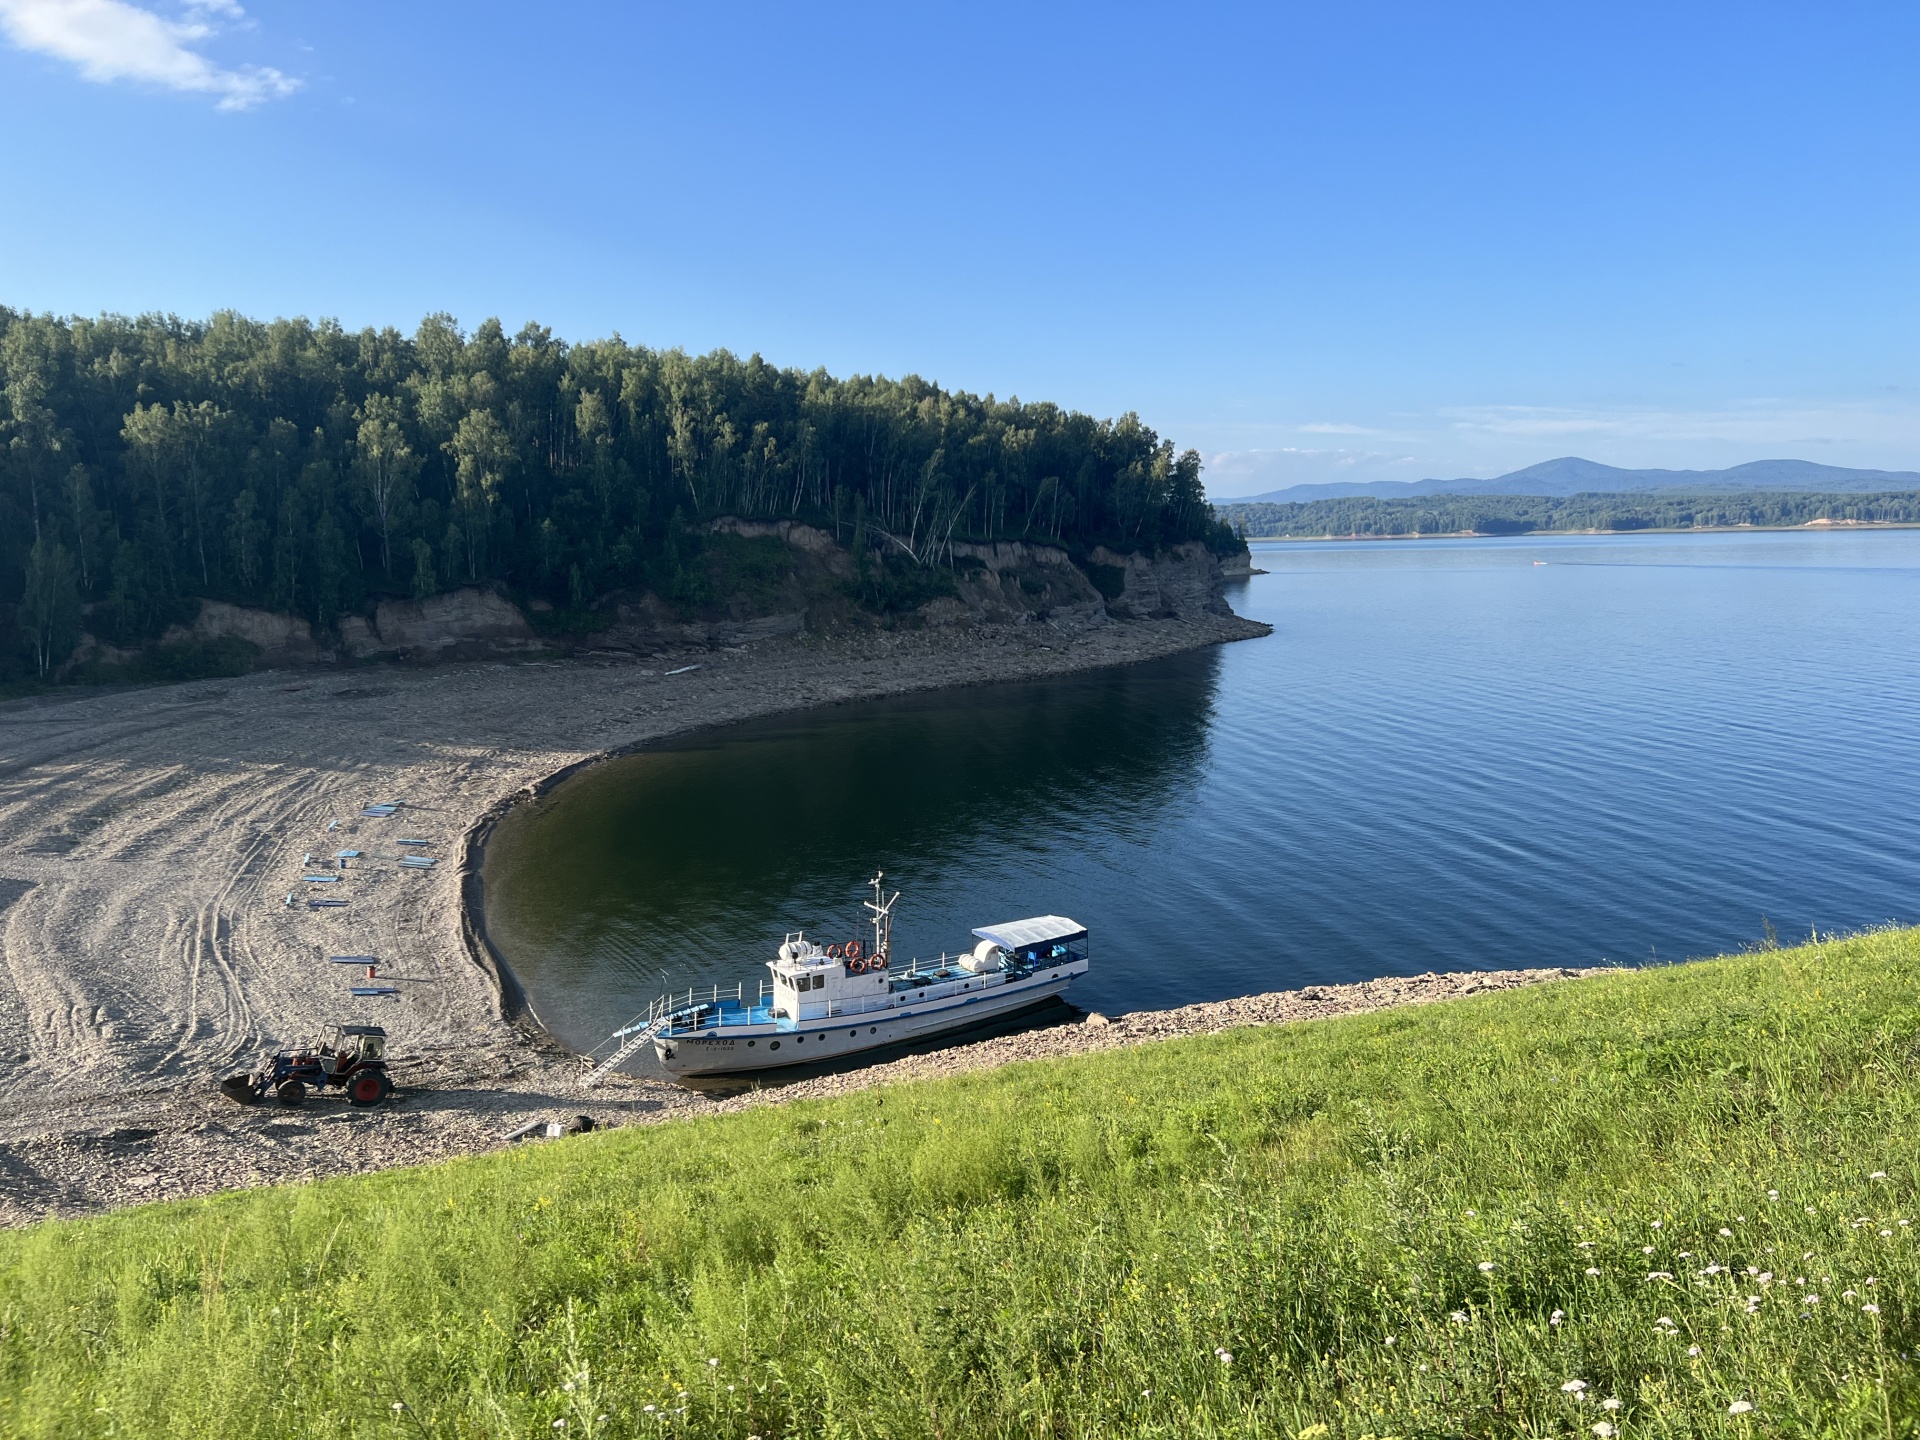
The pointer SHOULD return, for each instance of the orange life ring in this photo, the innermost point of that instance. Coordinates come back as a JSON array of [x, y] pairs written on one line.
[[856, 967], [833, 952], [853, 949]]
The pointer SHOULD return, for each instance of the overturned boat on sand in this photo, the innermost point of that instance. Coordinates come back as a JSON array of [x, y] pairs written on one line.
[[824, 1002]]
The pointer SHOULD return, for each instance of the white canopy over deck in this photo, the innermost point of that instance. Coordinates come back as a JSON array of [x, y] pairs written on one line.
[[1040, 930]]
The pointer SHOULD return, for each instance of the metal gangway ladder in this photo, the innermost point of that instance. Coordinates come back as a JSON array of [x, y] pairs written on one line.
[[643, 1028], [636, 1036]]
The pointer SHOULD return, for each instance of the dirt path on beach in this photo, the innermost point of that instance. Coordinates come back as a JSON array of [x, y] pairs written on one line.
[[150, 839]]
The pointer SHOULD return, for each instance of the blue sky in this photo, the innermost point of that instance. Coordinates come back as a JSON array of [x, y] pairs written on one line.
[[1339, 241]]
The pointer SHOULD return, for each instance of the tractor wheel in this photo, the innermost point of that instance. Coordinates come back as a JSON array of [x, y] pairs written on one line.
[[292, 1092], [369, 1087]]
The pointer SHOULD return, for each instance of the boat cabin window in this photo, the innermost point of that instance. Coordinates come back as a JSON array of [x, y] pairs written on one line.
[[806, 982]]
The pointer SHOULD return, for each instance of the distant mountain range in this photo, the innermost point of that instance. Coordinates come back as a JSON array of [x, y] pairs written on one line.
[[1572, 476]]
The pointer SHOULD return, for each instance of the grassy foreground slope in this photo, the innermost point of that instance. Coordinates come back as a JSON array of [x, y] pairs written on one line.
[[1491, 1217]]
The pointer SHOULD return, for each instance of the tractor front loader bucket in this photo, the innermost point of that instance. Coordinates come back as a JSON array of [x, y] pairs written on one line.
[[240, 1088]]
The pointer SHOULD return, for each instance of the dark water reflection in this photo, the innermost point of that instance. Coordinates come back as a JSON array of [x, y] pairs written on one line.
[[686, 863], [1448, 756]]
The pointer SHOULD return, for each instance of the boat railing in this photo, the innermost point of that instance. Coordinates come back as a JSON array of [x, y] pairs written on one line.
[[706, 1002]]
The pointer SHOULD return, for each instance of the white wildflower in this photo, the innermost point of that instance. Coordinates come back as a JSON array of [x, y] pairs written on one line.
[[1725, 1233], [1604, 1430], [1740, 1407], [1693, 1351], [1878, 1175], [1869, 1309], [1657, 1224], [1646, 1249], [1809, 1299], [1557, 1317], [1612, 1402], [1574, 1387], [1459, 1317], [1592, 1271]]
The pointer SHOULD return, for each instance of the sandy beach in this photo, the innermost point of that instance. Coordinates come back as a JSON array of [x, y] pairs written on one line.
[[152, 838]]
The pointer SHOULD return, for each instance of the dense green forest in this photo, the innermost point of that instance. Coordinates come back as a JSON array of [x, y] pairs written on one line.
[[296, 466], [1522, 514]]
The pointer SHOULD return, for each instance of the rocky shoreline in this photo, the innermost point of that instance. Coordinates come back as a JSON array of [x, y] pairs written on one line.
[[155, 932], [153, 915]]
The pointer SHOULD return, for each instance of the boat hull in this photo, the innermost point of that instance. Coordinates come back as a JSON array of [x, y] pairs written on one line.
[[842, 1035]]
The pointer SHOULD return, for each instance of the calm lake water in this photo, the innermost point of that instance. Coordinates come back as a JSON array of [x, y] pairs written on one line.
[[1447, 757]]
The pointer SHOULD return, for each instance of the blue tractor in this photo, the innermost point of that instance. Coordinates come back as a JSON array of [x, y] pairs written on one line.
[[354, 1058]]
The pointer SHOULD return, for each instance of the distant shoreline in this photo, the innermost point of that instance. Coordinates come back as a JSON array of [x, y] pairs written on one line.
[[1816, 526]]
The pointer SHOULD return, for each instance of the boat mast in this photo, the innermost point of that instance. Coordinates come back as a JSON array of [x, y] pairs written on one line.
[[882, 907]]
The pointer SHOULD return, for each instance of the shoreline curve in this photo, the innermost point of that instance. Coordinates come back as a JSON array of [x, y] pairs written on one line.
[[155, 846]]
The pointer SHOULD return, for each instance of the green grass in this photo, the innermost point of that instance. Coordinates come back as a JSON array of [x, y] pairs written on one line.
[[1071, 1248]]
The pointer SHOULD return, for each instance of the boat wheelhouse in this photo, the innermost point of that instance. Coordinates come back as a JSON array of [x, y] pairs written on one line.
[[822, 1002]]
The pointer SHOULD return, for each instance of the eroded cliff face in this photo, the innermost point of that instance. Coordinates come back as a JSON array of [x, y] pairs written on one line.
[[644, 624], [466, 624], [1184, 581], [280, 639], [1013, 582], [1004, 583]]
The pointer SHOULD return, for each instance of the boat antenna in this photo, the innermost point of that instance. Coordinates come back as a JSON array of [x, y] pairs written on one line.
[[882, 907]]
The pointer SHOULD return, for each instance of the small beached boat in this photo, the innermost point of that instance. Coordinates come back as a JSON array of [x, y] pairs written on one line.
[[828, 1001]]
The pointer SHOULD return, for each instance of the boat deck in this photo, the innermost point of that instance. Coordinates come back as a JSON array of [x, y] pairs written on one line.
[[724, 1012]]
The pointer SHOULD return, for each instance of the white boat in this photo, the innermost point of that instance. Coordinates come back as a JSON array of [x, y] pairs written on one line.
[[824, 1002]]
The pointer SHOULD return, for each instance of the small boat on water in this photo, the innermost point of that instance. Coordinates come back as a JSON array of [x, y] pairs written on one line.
[[824, 1002]]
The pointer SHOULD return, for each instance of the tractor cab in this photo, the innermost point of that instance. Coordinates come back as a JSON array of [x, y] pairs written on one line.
[[359, 1044]]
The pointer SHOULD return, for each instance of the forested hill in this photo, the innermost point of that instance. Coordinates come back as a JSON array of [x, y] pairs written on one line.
[[1363, 515], [298, 467]]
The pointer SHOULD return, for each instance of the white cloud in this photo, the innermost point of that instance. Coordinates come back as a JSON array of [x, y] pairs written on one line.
[[112, 40]]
